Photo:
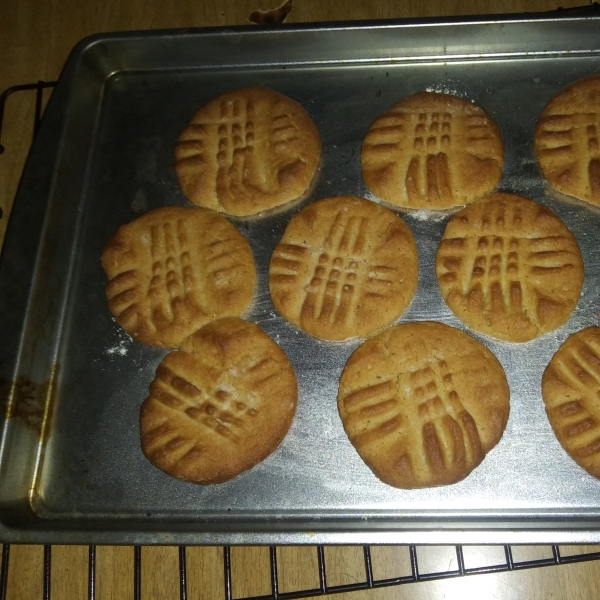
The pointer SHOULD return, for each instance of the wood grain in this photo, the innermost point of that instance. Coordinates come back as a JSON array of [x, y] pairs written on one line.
[[298, 568], [160, 572], [250, 572], [114, 573], [26, 573], [36, 40], [205, 573], [69, 572]]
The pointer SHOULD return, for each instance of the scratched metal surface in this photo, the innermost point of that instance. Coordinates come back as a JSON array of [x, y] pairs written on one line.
[[87, 478]]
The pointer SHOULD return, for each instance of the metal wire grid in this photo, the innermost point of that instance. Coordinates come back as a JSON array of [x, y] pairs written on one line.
[[369, 583], [40, 86]]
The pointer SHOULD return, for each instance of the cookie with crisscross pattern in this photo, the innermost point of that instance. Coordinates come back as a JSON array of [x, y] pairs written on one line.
[[173, 270], [567, 140], [432, 151], [247, 151], [423, 403], [219, 405], [571, 392], [345, 267], [509, 267]]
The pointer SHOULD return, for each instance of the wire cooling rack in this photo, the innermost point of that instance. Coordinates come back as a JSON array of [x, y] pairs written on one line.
[[370, 582]]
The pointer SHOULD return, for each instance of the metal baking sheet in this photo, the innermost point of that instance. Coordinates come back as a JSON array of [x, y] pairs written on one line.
[[71, 468]]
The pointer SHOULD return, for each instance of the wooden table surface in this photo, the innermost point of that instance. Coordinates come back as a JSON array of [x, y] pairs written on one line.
[[35, 39]]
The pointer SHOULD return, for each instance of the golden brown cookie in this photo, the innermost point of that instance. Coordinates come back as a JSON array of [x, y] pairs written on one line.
[[219, 405], [173, 270], [247, 151], [423, 403], [567, 140], [571, 392], [432, 151], [509, 268], [345, 267]]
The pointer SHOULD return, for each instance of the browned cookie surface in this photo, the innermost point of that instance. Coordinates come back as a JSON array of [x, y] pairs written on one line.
[[173, 270], [509, 268], [219, 405], [432, 151], [571, 392], [345, 267], [423, 403], [567, 140], [247, 151]]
